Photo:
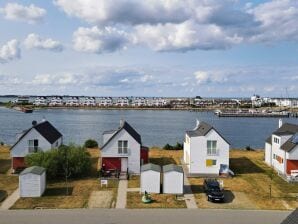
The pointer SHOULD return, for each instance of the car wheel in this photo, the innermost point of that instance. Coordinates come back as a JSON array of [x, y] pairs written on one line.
[[208, 198]]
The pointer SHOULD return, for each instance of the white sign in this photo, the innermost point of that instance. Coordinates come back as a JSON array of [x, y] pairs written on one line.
[[103, 182]]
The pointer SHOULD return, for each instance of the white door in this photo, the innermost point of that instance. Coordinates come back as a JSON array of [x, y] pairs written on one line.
[[124, 166]]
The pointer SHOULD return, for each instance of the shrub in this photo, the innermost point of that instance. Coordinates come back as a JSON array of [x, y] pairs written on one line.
[[90, 143], [71, 160], [168, 147], [178, 146], [1, 143]]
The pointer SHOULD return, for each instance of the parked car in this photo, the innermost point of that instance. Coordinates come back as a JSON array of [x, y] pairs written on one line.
[[213, 191]]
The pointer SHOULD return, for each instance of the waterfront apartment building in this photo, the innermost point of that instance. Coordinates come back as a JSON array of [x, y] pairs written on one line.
[[40, 101], [105, 102]]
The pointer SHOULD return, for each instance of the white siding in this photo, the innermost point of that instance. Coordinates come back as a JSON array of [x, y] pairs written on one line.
[[173, 182], [268, 153], [32, 185], [21, 149], [198, 152], [280, 167], [134, 151], [150, 181], [293, 154]]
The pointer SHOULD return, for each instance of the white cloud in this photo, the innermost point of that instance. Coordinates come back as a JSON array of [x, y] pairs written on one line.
[[209, 77], [35, 41], [96, 40], [17, 12], [126, 11], [65, 78], [10, 51], [184, 36], [278, 21]]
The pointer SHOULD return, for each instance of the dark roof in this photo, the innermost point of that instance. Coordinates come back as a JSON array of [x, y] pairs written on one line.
[[127, 128], [172, 167], [33, 169], [292, 218], [269, 140], [290, 143], [151, 166], [203, 129], [286, 129], [46, 129]]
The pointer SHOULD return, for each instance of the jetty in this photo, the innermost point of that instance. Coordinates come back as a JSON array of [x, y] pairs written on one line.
[[252, 113]]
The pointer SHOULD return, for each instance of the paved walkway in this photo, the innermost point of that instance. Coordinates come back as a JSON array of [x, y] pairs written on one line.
[[188, 195], [121, 196], [10, 200]]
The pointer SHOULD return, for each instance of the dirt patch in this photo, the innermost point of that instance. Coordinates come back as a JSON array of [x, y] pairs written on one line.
[[100, 199]]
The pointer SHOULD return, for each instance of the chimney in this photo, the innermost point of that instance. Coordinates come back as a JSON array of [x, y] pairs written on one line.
[[279, 123], [34, 123], [121, 122], [197, 124]]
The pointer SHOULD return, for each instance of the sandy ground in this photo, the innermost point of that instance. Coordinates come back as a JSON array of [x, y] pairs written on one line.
[[100, 199]]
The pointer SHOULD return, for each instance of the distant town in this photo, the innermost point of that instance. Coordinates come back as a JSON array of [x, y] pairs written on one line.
[[255, 101]]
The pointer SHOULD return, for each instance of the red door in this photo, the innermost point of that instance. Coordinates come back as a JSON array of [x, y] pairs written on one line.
[[18, 162], [292, 165], [111, 163]]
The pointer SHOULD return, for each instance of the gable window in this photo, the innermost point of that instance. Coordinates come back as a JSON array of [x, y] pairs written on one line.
[[33, 145], [122, 147], [211, 148], [276, 140]]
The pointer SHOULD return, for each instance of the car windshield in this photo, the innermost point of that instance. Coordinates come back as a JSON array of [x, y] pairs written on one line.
[[216, 189]]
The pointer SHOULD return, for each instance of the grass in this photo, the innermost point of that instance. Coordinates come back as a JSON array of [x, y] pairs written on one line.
[[8, 183], [79, 191], [55, 195], [134, 181], [164, 157], [252, 181], [159, 201]]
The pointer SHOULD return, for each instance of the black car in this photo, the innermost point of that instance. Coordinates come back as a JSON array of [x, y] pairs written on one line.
[[213, 190]]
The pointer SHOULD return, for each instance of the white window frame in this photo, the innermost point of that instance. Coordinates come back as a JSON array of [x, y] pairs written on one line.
[[31, 147], [122, 147], [212, 148]]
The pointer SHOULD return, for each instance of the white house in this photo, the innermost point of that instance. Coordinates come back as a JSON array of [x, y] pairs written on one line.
[[40, 101], [139, 102], [206, 152], [72, 102], [56, 101], [123, 150], [172, 179], [32, 182], [105, 101], [122, 101], [281, 150], [41, 136], [150, 178], [89, 101]]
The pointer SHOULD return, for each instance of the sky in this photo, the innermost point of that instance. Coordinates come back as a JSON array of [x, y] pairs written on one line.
[[208, 48]]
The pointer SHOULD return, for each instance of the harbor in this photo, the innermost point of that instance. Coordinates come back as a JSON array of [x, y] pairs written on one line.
[[254, 113]]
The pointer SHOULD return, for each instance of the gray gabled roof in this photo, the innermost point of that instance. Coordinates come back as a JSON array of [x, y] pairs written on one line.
[[290, 144], [150, 166], [127, 128], [202, 130], [172, 167], [292, 218], [286, 129], [34, 170]]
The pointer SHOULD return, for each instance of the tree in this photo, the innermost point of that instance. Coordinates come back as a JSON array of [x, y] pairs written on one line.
[[91, 143], [70, 161]]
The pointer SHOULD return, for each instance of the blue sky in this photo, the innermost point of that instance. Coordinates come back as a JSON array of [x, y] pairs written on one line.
[[209, 48]]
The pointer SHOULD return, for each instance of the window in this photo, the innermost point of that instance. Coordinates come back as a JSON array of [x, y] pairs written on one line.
[[211, 147], [210, 162], [33, 145], [276, 140], [122, 147]]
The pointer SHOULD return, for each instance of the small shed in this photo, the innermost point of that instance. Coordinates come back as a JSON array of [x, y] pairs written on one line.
[[150, 178], [32, 181], [173, 179]]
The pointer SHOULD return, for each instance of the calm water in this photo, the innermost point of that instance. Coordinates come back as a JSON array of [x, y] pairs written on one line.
[[156, 127]]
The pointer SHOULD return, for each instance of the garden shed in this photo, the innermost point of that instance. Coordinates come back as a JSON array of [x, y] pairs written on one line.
[[173, 179], [32, 181], [150, 178]]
